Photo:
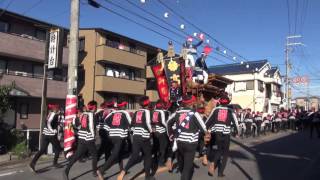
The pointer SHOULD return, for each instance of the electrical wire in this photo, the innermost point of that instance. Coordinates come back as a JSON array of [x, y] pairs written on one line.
[[199, 29], [32, 7], [5, 9], [144, 18], [288, 8]]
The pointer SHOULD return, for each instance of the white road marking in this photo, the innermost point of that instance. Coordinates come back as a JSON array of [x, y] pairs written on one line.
[[285, 156], [11, 173]]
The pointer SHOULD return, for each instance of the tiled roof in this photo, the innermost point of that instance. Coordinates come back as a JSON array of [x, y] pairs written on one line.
[[271, 71], [238, 68]]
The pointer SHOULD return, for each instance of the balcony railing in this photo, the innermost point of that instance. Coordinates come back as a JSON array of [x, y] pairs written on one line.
[[25, 47], [118, 45], [32, 75], [120, 85], [119, 56]]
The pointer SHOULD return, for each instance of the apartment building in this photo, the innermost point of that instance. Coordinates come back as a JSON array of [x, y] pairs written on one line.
[[112, 66], [257, 85], [22, 58]]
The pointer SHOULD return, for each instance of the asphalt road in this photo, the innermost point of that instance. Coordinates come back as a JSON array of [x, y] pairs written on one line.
[[282, 156]]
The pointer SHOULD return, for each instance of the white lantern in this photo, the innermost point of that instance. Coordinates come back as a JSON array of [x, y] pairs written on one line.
[[241, 62], [225, 51], [166, 15], [234, 58], [182, 26], [143, 1], [208, 41], [247, 66], [195, 34]]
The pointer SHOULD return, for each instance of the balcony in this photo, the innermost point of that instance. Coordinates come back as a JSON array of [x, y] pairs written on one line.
[[118, 85], [25, 47], [32, 87], [106, 53]]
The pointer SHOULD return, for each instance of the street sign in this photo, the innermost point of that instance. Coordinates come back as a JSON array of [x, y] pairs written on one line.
[[55, 49]]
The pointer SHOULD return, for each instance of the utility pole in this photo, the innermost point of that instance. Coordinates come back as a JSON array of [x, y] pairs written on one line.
[[71, 100], [73, 48], [43, 112], [287, 63]]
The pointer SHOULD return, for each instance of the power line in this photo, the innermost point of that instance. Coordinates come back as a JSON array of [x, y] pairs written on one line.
[[150, 29], [153, 15], [136, 22], [144, 18], [196, 27], [5, 9], [289, 24], [33, 6], [296, 16]]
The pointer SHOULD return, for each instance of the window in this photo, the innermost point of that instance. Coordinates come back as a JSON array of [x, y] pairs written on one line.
[[37, 71], [3, 66], [81, 44], [240, 86], [260, 86], [112, 41], [40, 34], [250, 85], [4, 26], [24, 109], [132, 48], [132, 75]]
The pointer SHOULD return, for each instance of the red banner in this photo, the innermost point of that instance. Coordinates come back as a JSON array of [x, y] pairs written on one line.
[[162, 84]]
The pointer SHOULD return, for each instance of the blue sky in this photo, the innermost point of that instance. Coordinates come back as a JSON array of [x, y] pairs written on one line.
[[256, 29]]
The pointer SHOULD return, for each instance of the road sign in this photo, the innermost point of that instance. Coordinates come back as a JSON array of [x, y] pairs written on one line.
[[55, 49]]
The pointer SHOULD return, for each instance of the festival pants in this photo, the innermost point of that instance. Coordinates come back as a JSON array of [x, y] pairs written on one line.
[[44, 145], [186, 154]]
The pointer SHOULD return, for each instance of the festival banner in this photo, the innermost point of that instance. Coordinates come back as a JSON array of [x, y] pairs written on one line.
[[162, 84]]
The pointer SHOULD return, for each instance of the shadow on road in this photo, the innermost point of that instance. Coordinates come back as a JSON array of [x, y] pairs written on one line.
[[290, 157]]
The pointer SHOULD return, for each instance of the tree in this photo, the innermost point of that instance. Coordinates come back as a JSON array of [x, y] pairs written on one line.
[[4, 98]]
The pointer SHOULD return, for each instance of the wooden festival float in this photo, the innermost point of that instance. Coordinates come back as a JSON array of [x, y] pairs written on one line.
[[170, 68]]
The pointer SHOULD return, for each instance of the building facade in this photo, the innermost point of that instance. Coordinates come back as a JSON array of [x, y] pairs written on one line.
[[22, 59], [307, 103], [112, 66], [256, 84]]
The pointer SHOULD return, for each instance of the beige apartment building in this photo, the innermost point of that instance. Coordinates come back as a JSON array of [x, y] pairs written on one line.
[[112, 66]]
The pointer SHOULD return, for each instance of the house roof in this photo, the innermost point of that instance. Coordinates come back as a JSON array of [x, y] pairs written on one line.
[[271, 71], [41, 23], [148, 46], [238, 68]]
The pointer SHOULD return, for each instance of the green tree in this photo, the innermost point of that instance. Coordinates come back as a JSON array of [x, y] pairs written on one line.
[[5, 98]]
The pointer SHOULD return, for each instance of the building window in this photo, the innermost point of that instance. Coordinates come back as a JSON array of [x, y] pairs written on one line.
[[250, 85], [24, 110], [4, 26], [132, 48], [37, 71], [81, 44], [260, 86], [40, 34], [113, 41], [3, 66]]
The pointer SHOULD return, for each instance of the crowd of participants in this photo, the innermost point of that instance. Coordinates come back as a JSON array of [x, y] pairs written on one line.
[[163, 133]]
